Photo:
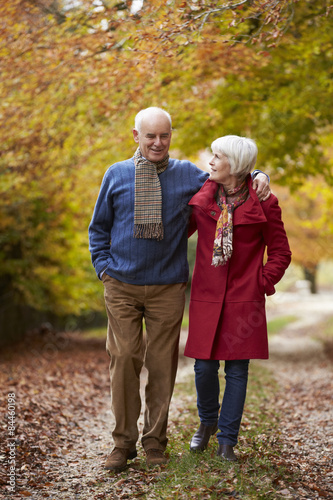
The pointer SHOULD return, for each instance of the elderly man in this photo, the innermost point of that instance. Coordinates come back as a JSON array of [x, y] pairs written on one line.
[[138, 244]]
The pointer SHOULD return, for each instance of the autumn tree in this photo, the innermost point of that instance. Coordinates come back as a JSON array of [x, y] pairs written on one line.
[[280, 94], [74, 74], [307, 216]]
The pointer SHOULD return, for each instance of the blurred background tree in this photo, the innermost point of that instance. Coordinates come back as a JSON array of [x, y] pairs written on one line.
[[307, 215], [75, 73]]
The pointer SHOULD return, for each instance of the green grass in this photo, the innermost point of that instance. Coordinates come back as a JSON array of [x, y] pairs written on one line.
[[185, 318], [95, 333], [324, 333], [100, 332], [259, 473], [326, 329], [276, 325]]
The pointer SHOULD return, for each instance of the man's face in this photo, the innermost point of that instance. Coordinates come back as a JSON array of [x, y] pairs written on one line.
[[154, 137]]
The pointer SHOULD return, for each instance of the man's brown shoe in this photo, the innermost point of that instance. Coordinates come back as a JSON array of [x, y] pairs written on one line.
[[117, 460], [155, 457]]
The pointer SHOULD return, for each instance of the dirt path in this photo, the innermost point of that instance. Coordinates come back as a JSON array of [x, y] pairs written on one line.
[[62, 432], [303, 368]]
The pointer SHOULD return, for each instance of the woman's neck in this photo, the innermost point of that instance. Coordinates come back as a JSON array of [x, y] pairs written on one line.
[[232, 184]]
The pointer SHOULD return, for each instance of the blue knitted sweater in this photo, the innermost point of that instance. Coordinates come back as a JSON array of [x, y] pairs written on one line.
[[143, 261]]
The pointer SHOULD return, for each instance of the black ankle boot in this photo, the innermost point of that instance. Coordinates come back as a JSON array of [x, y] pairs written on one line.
[[226, 451], [201, 438]]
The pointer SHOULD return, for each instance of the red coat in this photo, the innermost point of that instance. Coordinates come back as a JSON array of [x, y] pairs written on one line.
[[227, 305]]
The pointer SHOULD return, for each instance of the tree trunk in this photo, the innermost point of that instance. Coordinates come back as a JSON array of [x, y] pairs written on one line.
[[311, 276]]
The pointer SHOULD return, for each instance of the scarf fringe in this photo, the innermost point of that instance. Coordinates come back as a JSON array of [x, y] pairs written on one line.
[[149, 231]]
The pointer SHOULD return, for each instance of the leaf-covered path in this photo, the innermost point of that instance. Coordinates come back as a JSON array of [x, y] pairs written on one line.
[[62, 427], [303, 367]]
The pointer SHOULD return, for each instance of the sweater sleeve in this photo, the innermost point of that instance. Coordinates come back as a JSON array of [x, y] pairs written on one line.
[[256, 172], [201, 177], [278, 250], [192, 227], [101, 225]]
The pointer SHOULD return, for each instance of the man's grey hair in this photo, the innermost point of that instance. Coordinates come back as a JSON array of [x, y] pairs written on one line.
[[146, 112], [240, 151]]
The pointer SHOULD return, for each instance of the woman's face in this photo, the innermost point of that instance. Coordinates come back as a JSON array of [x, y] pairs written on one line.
[[220, 168]]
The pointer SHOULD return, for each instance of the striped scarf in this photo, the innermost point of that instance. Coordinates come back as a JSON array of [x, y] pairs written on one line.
[[148, 197], [222, 249]]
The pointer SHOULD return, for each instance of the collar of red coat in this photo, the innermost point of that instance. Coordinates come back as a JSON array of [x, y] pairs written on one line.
[[248, 213]]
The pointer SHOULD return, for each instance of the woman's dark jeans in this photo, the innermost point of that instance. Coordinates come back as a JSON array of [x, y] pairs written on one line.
[[208, 393]]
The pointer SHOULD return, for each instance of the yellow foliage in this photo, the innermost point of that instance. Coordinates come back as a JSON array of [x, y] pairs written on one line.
[[307, 215], [72, 79]]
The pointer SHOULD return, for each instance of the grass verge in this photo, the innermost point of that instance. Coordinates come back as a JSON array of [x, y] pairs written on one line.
[[277, 324], [274, 326], [259, 473], [324, 333], [324, 330]]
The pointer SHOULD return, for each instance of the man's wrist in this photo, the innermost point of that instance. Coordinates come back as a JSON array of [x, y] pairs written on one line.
[[101, 273], [256, 172]]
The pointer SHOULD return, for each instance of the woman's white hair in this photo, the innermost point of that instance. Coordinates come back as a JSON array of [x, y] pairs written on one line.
[[146, 112], [240, 151]]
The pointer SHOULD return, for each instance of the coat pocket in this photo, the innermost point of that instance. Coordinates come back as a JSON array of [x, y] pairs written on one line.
[[261, 283]]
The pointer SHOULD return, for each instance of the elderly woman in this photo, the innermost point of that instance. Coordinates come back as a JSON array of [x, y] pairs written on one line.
[[229, 284]]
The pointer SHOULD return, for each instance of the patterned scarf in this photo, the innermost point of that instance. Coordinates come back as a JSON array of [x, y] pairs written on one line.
[[148, 197], [222, 249]]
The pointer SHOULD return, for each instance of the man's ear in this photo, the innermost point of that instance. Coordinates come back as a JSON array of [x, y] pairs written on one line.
[[136, 135]]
